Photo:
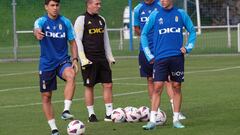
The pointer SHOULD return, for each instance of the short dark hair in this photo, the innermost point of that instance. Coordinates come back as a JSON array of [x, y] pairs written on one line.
[[88, 1], [47, 1]]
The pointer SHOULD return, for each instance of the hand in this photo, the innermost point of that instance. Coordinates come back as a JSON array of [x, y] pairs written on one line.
[[152, 61], [38, 34], [183, 50], [112, 62], [75, 66]]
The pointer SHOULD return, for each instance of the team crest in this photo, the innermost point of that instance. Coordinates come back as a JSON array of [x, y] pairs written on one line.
[[160, 21], [143, 13], [60, 26], [87, 81], [100, 22], [176, 18], [89, 22], [48, 28]]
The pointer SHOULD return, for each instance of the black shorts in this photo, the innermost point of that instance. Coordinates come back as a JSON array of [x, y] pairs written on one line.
[[97, 72]]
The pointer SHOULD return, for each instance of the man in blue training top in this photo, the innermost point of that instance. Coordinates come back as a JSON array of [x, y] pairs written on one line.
[[168, 54], [141, 16], [53, 32]]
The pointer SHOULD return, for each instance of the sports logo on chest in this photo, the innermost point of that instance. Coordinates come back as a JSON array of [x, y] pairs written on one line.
[[55, 31], [176, 18], [96, 31]]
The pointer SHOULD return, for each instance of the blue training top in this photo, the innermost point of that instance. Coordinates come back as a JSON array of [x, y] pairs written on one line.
[[54, 45], [141, 15], [168, 33]]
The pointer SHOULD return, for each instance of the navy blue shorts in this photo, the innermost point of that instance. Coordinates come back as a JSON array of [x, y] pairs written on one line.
[[48, 80], [146, 69], [170, 66]]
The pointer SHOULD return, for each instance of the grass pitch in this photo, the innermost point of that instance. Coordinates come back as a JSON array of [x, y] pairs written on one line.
[[211, 99]]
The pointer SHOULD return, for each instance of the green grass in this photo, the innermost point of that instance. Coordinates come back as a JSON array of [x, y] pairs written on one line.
[[211, 99]]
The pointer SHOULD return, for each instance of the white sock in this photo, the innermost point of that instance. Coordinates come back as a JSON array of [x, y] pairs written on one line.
[[52, 124], [171, 101], [153, 116], [159, 109], [90, 110], [67, 105], [109, 108], [175, 116]]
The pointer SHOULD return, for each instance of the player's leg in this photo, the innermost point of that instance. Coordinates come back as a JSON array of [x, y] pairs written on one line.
[[177, 77], [150, 87], [170, 93], [89, 79], [89, 101], [160, 75], [177, 104], [155, 103], [107, 96], [67, 73], [105, 77], [48, 111], [146, 71], [47, 84]]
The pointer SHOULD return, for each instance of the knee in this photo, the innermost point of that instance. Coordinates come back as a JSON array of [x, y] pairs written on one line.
[[107, 86], [176, 87], [69, 76], [46, 97], [150, 79], [156, 91]]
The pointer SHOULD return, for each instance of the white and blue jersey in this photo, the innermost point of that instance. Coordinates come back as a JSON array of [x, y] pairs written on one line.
[[54, 45], [141, 15], [168, 33]]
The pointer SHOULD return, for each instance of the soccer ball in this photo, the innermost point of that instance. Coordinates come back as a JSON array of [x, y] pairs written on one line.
[[128, 108], [132, 114], [118, 115], [145, 113], [161, 118], [75, 127]]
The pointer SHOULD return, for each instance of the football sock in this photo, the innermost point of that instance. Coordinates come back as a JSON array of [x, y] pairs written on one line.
[[109, 108], [67, 105], [90, 110], [153, 116], [175, 116], [52, 124]]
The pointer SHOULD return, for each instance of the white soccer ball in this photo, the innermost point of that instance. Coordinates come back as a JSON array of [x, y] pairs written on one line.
[[76, 127], [118, 115], [132, 114], [161, 118], [145, 113], [128, 108]]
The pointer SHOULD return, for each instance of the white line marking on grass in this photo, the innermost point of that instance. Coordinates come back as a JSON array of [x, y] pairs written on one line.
[[78, 99], [116, 95], [62, 84], [127, 78], [22, 73], [213, 70]]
